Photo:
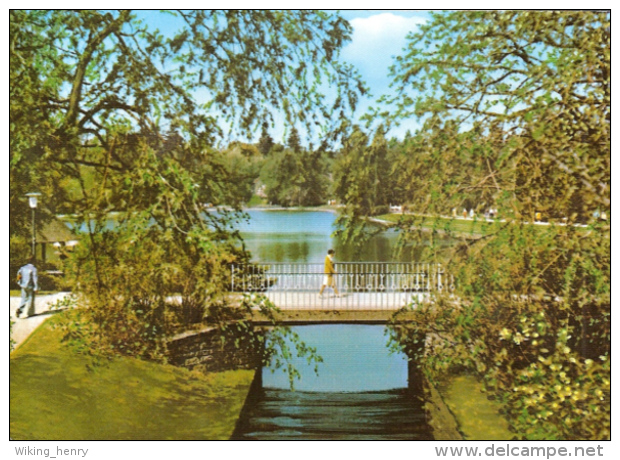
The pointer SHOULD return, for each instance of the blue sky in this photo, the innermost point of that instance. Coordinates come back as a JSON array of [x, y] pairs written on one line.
[[378, 35]]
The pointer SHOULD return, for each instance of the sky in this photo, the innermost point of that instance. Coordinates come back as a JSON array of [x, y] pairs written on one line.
[[378, 36]]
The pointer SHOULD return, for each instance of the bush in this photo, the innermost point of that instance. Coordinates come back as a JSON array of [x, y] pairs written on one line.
[[139, 286], [533, 325]]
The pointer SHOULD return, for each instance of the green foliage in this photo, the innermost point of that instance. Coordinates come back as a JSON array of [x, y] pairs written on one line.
[[88, 90], [296, 178], [316, 178], [256, 201], [20, 250], [516, 116], [265, 143], [282, 178], [98, 97], [363, 181], [561, 395], [105, 118], [536, 348], [275, 345], [142, 284], [520, 102], [361, 173], [293, 141], [242, 163]]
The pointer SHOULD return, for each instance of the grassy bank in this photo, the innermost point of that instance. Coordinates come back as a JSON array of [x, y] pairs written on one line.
[[447, 225], [18, 293], [53, 396], [463, 227], [478, 417]]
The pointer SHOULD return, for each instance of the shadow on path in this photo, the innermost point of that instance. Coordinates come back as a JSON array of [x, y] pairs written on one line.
[[24, 326]]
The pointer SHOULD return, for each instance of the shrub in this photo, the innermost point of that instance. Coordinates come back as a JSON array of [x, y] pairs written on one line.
[[138, 285]]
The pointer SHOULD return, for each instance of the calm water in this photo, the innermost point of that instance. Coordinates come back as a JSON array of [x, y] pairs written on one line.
[[305, 236], [362, 392]]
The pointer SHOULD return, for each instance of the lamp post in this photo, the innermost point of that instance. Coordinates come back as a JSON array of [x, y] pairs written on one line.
[[32, 202]]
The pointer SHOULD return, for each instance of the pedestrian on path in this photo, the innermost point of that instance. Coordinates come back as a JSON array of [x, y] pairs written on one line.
[[27, 278], [329, 271]]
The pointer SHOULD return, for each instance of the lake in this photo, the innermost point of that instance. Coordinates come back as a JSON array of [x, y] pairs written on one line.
[[305, 236]]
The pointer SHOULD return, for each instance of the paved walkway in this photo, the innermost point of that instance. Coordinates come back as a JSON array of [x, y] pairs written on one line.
[[286, 301], [23, 327]]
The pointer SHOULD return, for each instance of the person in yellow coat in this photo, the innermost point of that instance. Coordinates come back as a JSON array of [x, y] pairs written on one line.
[[330, 271]]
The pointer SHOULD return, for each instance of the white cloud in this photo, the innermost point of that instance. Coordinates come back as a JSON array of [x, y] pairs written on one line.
[[384, 24], [376, 39]]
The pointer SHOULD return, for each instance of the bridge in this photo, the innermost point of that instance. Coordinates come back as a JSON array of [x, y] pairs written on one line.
[[361, 286]]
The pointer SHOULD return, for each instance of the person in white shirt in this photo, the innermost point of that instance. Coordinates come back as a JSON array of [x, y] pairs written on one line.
[[28, 281]]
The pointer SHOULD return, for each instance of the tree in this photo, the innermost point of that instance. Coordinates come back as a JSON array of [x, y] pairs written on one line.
[[315, 178], [82, 81], [265, 143], [546, 91], [296, 178], [282, 177], [105, 116], [242, 163], [516, 111], [362, 174], [293, 141], [362, 181]]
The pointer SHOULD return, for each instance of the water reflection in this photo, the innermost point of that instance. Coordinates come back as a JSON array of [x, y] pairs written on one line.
[[362, 392], [305, 236], [355, 358]]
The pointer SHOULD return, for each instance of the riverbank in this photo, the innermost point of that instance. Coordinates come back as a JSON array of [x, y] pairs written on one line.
[[327, 208], [54, 394], [459, 226], [477, 417], [472, 228]]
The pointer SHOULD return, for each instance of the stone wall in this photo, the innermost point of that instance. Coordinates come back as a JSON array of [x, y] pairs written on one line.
[[206, 351]]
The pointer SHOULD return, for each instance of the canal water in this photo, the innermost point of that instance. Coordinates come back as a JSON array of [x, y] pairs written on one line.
[[363, 390]]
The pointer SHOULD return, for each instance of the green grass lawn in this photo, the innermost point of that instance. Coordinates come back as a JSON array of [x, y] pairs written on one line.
[[18, 292], [460, 226], [256, 201], [53, 396], [463, 227], [477, 416]]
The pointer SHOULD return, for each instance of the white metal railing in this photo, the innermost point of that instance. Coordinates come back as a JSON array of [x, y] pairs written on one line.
[[372, 285]]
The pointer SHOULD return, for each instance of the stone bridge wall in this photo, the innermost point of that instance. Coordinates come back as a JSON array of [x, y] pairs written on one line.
[[205, 351]]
